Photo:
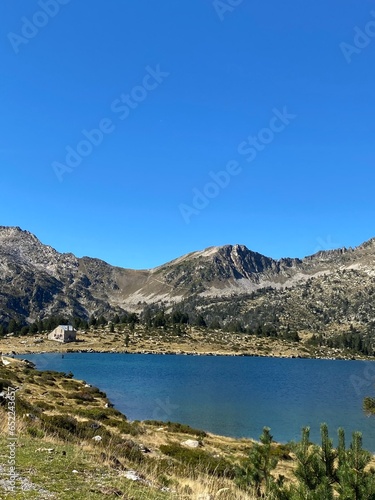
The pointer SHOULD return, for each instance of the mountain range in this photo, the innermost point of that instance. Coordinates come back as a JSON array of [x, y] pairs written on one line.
[[328, 290]]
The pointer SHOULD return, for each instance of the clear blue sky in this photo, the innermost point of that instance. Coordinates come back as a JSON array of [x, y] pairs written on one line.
[[197, 80]]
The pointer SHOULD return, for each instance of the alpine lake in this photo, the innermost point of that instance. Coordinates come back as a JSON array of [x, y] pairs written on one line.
[[231, 395]]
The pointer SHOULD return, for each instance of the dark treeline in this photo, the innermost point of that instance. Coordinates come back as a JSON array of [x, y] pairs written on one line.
[[352, 340], [178, 319], [226, 315], [21, 327]]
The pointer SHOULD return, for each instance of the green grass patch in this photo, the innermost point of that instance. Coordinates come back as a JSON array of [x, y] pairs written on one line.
[[99, 414], [133, 428], [199, 460], [177, 427], [53, 473]]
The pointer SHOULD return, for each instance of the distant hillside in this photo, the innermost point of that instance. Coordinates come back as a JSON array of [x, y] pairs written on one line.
[[330, 291]]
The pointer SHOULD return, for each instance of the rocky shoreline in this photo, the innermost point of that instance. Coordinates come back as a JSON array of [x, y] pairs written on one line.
[[196, 343], [189, 353]]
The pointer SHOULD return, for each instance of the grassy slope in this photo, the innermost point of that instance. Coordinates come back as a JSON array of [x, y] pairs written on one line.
[[57, 418], [50, 445], [49, 473]]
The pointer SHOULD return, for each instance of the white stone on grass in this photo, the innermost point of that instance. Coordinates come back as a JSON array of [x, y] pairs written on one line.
[[132, 475], [191, 443]]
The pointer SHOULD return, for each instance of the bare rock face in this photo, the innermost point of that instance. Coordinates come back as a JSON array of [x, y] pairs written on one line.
[[37, 281]]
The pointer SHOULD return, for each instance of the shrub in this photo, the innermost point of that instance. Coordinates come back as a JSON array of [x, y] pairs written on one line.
[[95, 391], [80, 396], [89, 429], [42, 405], [130, 450], [4, 384], [65, 422], [165, 481], [115, 413], [55, 394], [369, 405], [99, 413], [48, 375], [84, 396], [281, 452], [71, 384], [23, 406], [133, 429], [200, 460], [35, 432], [177, 427], [64, 426], [47, 382]]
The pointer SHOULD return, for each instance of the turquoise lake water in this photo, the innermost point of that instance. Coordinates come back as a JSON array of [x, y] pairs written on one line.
[[232, 396]]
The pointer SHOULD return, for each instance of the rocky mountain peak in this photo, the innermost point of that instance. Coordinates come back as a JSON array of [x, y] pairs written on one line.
[[368, 245], [13, 232], [26, 249], [36, 280]]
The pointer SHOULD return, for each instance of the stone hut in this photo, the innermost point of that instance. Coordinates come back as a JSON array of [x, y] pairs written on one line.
[[63, 333]]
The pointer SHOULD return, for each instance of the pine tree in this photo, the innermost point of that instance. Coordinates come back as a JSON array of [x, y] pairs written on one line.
[[199, 321], [341, 451], [92, 321], [102, 321], [84, 325], [132, 328], [318, 471], [160, 319], [309, 470], [33, 328], [257, 469], [12, 327], [369, 406], [328, 454], [354, 482]]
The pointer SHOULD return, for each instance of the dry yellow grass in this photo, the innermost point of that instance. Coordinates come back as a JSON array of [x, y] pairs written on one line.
[[51, 393], [49, 390], [194, 341]]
